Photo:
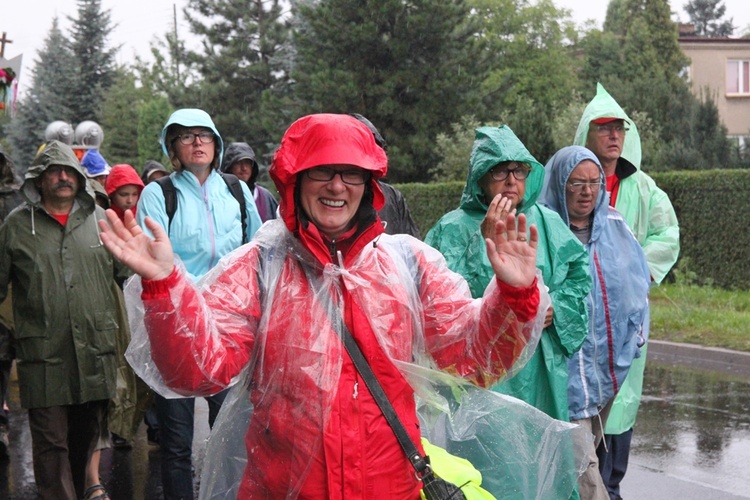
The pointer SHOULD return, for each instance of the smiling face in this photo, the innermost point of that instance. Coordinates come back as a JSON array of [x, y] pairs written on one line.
[[331, 205], [510, 187], [580, 200], [126, 196]]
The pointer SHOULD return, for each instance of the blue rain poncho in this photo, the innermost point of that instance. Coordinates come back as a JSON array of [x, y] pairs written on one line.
[[618, 302]]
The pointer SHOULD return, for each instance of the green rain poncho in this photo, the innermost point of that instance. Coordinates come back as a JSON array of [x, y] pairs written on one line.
[[651, 217], [561, 258]]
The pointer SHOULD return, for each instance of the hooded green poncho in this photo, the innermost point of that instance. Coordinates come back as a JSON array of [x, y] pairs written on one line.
[[561, 259], [651, 217]]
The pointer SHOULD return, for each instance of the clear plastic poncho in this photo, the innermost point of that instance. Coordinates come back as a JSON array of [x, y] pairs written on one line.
[[266, 321]]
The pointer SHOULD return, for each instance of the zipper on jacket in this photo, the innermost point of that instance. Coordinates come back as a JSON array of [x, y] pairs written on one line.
[[332, 250], [209, 220]]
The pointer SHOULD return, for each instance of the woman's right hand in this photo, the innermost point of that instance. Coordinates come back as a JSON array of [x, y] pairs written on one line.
[[152, 259]]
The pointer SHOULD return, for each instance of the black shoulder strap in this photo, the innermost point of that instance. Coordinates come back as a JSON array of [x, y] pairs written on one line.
[[170, 198], [233, 183]]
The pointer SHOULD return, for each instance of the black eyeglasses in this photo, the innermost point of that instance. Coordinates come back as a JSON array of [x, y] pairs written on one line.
[[355, 177], [578, 187], [189, 137], [501, 173]]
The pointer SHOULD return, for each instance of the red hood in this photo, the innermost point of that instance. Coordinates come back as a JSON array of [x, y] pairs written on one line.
[[324, 139], [122, 175]]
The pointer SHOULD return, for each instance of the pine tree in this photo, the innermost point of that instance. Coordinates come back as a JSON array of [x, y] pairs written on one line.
[[48, 98], [410, 67], [94, 61], [119, 118], [706, 16], [171, 73], [638, 60], [245, 66], [152, 116]]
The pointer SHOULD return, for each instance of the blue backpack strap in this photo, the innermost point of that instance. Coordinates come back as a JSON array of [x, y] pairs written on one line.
[[170, 198]]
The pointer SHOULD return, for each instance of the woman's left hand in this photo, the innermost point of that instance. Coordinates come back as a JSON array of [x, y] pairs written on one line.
[[512, 257]]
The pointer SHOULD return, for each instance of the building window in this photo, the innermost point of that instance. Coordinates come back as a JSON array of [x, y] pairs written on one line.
[[738, 77]]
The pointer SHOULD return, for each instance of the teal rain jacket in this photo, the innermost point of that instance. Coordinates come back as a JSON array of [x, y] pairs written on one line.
[[618, 302], [651, 217], [561, 259]]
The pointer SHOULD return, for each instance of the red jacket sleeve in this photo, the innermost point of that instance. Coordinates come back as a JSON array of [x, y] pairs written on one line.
[[201, 341], [477, 339]]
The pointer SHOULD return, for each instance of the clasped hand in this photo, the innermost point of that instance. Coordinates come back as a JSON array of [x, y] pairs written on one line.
[[512, 257]]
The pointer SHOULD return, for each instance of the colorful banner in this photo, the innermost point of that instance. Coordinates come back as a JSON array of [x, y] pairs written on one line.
[[9, 71]]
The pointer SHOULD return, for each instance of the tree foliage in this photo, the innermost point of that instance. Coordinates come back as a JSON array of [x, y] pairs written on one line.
[[706, 16], [425, 72], [529, 51], [152, 115], [94, 60], [119, 119], [48, 98], [170, 73], [455, 148], [245, 65], [409, 67], [638, 59]]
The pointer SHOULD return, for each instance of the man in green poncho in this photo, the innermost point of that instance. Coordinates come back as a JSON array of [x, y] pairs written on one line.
[[613, 137], [502, 169]]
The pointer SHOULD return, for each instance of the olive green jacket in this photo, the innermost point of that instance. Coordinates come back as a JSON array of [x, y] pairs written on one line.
[[64, 304]]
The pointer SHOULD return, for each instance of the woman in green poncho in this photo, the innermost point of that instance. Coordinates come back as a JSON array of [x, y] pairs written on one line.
[[501, 168]]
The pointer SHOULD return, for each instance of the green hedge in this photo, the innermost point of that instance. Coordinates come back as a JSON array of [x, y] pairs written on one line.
[[712, 207]]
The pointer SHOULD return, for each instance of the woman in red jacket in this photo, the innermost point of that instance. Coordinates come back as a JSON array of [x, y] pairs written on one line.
[[274, 310]]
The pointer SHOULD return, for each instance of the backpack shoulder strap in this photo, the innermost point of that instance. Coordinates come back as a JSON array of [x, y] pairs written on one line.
[[233, 183], [170, 198]]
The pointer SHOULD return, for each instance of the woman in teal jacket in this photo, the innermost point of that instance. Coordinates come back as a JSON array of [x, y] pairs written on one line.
[[561, 258]]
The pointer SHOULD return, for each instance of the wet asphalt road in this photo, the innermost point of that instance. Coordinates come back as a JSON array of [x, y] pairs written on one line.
[[691, 442]]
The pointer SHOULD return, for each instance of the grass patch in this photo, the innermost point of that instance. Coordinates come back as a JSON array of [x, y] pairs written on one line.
[[701, 315]]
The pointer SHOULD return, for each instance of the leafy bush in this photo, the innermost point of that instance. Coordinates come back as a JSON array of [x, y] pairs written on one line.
[[712, 208]]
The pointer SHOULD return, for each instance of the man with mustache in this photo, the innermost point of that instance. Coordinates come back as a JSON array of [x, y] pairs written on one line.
[[65, 318]]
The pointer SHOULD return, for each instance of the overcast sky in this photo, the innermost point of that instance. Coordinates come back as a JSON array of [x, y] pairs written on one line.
[[27, 22]]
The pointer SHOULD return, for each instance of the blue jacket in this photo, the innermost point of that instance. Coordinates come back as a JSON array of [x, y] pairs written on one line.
[[618, 302], [206, 225]]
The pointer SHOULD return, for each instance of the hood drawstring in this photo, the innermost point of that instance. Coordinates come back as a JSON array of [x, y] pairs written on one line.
[[33, 226], [340, 258], [601, 426]]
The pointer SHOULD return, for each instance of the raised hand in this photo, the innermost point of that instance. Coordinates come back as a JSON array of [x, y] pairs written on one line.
[[152, 259], [512, 257]]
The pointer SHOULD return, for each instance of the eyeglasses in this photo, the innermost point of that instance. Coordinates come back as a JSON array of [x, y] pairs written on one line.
[[354, 177], [520, 172], [608, 128], [203, 137], [577, 187]]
